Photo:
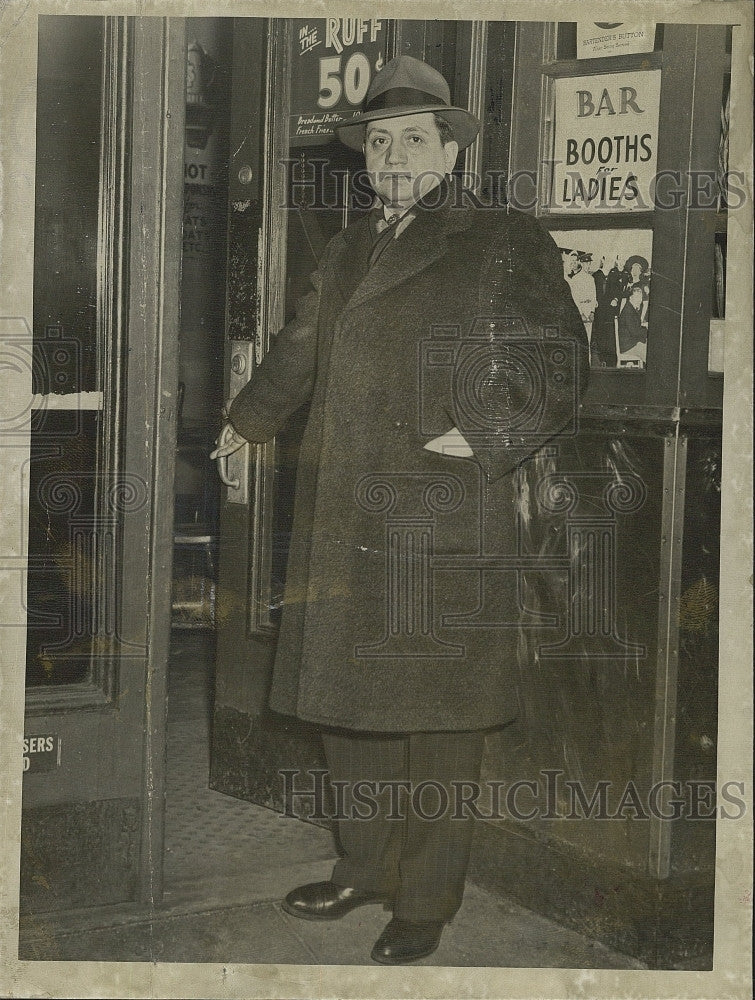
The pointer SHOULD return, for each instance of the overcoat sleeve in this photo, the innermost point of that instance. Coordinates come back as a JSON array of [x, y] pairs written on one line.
[[284, 379], [528, 314]]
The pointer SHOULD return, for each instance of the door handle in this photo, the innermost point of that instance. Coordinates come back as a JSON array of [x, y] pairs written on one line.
[[234, 470], [232, 484], [222, 460]]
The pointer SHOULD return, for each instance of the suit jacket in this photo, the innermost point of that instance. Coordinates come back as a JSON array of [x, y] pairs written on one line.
[[468, 321]]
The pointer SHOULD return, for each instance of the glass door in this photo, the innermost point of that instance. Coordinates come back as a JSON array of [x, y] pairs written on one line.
[[93, 342]]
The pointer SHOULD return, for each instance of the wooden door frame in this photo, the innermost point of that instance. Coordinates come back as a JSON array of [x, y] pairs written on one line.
[[139, 249], [159, 61]]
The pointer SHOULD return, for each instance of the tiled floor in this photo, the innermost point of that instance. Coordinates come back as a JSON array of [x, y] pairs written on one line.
[[210, 836], [228, 863]]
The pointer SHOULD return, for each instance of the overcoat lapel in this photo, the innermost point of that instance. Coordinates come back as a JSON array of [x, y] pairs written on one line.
[[422, 242], [349, 262]]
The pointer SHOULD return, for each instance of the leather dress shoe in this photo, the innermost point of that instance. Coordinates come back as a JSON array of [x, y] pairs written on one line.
[[406, 941], [327, 901]]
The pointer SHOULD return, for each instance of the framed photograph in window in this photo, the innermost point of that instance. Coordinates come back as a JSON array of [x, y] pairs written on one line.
[[609, 274]]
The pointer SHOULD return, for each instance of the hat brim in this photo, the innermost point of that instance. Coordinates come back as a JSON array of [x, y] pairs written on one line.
[[464, 124]]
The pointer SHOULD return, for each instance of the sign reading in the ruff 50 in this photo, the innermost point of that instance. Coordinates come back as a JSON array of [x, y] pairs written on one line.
[[334, 61], [606, 142]]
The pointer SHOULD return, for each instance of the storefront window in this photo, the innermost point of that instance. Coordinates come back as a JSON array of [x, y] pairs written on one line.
[[69, 98], [601, 166], [74, 496]]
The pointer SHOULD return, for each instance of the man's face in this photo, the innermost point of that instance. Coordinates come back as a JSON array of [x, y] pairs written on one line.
[[570, 262], [405, 158]]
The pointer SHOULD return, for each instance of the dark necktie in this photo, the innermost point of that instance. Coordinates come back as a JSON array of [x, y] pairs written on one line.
[[385, 229]]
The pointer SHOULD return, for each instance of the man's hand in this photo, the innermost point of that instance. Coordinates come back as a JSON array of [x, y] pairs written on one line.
[[227, 442]]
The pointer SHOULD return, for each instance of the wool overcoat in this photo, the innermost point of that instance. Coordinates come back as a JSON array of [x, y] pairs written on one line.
[[396, 616]]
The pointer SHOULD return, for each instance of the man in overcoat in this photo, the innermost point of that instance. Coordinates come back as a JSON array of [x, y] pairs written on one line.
[[439, 349]]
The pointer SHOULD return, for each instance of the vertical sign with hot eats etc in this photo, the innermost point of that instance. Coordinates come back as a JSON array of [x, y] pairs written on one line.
[[606, 142], [334, 61]]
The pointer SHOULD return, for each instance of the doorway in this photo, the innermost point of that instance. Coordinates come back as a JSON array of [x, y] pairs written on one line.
[[93, 340], [215, 829]]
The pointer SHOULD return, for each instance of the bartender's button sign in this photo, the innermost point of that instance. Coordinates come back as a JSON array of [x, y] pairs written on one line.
[[41, 753]]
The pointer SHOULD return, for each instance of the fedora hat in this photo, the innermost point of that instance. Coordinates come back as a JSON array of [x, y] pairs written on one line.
[[407, 86]]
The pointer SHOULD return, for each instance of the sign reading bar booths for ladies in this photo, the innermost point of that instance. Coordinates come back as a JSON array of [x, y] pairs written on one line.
[[606, 142]]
